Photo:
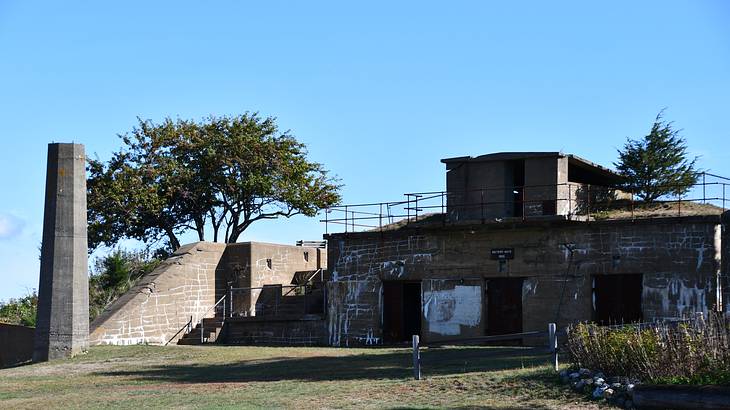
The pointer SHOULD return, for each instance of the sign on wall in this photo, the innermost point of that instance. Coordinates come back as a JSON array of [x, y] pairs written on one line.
[[501, 254]]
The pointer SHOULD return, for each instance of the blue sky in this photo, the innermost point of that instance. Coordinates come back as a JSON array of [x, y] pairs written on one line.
[[378, 91]]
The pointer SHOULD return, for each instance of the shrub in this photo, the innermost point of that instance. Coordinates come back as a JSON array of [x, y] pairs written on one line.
[[694, 351], [21, 311], [114, 274]]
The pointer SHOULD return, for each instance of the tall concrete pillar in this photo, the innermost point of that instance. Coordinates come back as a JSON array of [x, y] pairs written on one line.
[[62, 322]]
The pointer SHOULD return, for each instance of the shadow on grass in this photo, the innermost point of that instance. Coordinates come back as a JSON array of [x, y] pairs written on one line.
[[373, 366]]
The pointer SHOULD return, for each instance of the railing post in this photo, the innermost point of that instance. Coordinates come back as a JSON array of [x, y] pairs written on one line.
[[380, 217], [589, 202], [345, 218], [416, 217], [326, 221], [703, 188], [482, 196], [352, 218], [408, 209], [202, 328], [230, 308], [553, 344], [416, 359], [723, 196], [524, 199]]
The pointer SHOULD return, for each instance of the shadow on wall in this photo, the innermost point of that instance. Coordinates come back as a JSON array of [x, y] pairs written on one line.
[[16, 344], [375, 365]]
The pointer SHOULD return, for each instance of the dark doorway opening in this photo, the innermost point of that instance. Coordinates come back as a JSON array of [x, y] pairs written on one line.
[[401, 310], [617, 298], [518, 189], [504, 306]]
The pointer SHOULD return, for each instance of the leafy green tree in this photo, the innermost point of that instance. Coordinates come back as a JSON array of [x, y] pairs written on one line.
[[219, 175], [114, 274], [658, 164]]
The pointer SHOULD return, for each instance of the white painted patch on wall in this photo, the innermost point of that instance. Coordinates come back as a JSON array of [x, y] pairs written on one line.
[[446, 311], [678, 300]]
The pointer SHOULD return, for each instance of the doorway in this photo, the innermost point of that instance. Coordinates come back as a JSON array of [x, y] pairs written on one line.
[[518, 187], [504, 306], [401, 310], [617, 298]]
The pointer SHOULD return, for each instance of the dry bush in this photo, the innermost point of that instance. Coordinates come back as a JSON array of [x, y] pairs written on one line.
[[693, 351]]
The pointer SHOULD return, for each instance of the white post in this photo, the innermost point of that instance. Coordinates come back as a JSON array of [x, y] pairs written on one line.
[[416, 359], [553, 344]]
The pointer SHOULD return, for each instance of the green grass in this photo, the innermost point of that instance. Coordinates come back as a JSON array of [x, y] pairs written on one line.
[[270, 377]]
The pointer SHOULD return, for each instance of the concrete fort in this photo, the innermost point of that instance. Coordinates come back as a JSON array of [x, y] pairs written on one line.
[[443, 282]]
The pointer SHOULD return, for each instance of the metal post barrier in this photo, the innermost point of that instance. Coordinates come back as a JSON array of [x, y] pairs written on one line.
[[416, 359], [202, 328], [380, 217], [482, 196], [553, 344], [345, 218]]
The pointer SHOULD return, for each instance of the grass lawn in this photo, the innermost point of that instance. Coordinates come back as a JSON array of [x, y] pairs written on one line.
[[286, 377]]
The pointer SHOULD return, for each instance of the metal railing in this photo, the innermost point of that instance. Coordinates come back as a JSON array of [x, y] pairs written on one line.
[[203, 317], [277, 300], [570, 200]]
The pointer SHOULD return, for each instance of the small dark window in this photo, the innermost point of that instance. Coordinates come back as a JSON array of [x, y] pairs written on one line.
[[549, 207], [268, 263], [306, 256]]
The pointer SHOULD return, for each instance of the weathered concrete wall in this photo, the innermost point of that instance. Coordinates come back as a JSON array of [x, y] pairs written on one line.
[[256, 264], [16, 344], [725, 262], [678, 258], [62, 328], [164, 300], [272, 331]]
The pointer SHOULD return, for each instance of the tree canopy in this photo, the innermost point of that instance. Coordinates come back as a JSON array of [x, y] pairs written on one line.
[[218, 175], [657, 164]]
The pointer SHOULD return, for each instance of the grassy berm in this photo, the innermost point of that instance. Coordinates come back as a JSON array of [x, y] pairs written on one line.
[[302, 378]]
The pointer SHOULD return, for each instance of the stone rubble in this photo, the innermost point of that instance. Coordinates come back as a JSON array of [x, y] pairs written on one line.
[[617, 391]]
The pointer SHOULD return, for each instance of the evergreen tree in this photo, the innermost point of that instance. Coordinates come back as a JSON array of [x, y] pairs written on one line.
[[658, 164]]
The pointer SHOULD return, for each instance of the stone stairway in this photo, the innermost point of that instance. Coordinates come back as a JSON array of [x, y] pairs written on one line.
[[212, 327]]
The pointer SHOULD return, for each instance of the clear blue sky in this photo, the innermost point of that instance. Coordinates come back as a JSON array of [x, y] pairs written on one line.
[[378, 91]]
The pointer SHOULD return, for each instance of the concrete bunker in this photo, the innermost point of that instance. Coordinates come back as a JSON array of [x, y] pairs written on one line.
[[516, 247]]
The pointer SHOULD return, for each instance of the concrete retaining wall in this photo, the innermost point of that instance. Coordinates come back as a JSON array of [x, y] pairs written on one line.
[[164, 300], [269, 331], [16, 344]]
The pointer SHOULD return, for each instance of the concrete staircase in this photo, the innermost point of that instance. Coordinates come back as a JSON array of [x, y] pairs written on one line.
[[211, 329]]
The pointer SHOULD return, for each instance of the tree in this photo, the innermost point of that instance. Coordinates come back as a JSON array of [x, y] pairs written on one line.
[[658, 164], [219, 175]]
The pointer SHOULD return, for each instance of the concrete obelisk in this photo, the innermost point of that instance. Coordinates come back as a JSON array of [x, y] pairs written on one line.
[[62, 322]]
